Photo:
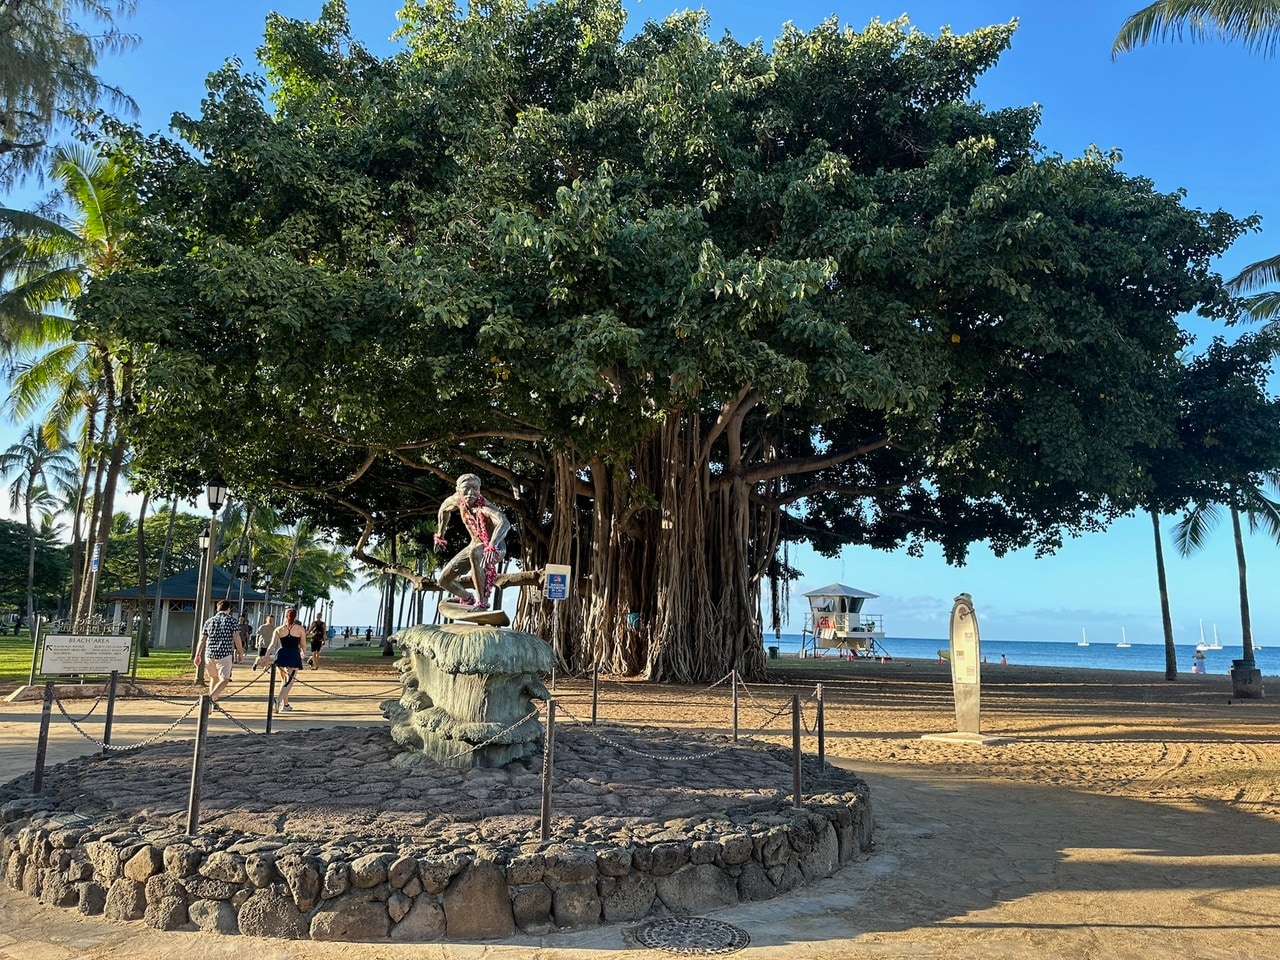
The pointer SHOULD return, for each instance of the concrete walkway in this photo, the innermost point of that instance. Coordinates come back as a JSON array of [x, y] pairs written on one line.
[[963, 868]]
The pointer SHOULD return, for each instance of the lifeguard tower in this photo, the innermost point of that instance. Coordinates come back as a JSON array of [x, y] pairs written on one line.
[[836, 621]]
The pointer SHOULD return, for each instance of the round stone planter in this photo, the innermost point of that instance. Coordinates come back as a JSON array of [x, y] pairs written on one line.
[[319, 835]]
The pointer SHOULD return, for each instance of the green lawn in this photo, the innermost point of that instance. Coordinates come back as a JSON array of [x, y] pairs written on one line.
[[172, 663]]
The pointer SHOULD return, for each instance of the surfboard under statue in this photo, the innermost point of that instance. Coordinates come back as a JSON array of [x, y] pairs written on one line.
[[461, 613]]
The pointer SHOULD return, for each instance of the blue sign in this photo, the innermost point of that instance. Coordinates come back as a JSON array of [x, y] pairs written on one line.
[[97, 555], [557, 586]]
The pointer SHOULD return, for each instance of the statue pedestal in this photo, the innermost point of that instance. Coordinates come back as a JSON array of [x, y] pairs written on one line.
[[468, 693]]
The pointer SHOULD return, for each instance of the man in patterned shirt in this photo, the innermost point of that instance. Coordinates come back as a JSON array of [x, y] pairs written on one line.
[[220, 647]]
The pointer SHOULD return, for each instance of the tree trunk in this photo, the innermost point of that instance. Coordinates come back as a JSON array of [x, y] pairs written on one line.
[[1246, 626], [31, 561], [389, 608], [143, 626], [103, 510], [1170, 653], [164, 560]]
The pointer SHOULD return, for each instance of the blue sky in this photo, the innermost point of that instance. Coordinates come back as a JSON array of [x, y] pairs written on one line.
[[1192, 117]]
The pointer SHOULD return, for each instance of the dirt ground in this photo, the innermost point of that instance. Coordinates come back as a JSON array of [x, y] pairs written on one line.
[[1119, 816]]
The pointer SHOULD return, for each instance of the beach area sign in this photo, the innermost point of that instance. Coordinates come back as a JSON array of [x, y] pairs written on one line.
[[966, 674], [78, 653]]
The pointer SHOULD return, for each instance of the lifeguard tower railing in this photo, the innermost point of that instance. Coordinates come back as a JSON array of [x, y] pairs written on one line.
[[852, 634]]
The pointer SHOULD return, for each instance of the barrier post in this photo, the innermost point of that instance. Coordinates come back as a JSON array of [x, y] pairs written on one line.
[[735, 704], [111, 712], [795, 747], [197, 766], [822, 730], [42, 744], [548, 762], [271, 696], [595, 691]]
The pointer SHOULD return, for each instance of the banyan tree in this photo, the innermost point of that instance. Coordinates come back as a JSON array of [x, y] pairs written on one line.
[[682, 303]]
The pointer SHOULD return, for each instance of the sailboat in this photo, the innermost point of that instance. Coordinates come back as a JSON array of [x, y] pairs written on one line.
[[1084, 640], [1124, 643], [1215, 645]]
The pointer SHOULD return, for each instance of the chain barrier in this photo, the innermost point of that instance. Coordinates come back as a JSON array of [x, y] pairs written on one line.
[[298, 681], [133, 746], [217, 706], [676, 703], [592, 731], [786, 707], [92, 708], [155, 696], [501, 733]]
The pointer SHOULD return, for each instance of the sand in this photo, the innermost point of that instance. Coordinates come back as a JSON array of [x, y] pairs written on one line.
[[1122, 816]]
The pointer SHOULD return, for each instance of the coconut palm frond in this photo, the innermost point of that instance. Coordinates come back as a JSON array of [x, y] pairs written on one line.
[[1192, 531], [1264, 273], [1265, 308], [1263, 513], [1253, 23]]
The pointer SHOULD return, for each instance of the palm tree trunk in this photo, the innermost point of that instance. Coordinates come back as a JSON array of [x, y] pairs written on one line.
[[1170, 653], [31, 562], [1246, 626]]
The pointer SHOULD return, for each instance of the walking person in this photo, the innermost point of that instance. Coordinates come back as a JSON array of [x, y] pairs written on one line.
[[286, 648], [265, 631], [220, 647], [318, 636]]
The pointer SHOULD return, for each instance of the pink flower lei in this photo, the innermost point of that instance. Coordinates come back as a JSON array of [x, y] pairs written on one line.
[[474, 521]]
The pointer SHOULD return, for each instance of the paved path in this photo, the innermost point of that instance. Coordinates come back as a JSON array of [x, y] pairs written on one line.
[[964, 868]]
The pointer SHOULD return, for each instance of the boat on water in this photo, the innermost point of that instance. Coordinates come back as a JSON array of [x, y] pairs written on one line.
[[1084, 639], [1203, 644], [1124, 643]]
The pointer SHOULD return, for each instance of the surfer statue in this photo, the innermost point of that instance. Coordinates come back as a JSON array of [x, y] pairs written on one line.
[[488, 528]]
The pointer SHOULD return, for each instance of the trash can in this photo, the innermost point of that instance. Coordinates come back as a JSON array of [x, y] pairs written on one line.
[[1246, 680], [773, 653]]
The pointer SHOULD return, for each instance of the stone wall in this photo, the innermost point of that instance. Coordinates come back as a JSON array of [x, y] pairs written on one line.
[[229, 882]]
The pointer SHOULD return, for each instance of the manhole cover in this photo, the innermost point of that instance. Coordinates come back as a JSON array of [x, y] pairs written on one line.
[[692, 936]]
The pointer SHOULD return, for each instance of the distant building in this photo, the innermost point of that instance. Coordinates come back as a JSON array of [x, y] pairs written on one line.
[[178, 604]]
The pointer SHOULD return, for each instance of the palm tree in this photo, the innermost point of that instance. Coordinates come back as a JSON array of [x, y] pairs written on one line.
[[1255, 24], [1262, 512], [36, 466], [50, 261]]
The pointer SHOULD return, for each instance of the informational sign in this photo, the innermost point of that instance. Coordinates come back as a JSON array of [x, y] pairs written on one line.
[[75, 653], [556, 577], [966, 664], [97, 556]]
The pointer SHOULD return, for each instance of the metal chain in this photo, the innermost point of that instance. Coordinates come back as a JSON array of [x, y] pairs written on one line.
[[500, 733], [347, 696], [587, 728], [110, 746], [217, 706], [155, 696], [677, 703], [97, 701]]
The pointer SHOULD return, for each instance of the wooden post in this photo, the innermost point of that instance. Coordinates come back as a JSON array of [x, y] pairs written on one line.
[[735, 704], [548, 763], [42, 744], [795, 747], [111, 712], [33, 632], [197, 766], [822, 730]]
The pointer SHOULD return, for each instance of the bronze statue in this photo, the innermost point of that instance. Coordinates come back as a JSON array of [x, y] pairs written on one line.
[[488, 528]]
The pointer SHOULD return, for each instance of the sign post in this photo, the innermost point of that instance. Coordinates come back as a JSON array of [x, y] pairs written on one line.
[[966, 675]]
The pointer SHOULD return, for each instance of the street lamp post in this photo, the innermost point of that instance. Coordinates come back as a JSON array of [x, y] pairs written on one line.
[[266, 586], [216, 493], [242, 571], [196, 606]]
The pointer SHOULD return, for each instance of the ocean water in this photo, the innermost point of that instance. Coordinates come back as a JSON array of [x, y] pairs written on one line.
[[1098, 656]]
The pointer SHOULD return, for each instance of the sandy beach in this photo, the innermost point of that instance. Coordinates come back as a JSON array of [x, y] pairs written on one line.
[[1120, 816]]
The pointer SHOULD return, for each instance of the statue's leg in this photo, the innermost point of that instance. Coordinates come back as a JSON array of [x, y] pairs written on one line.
[[448, 578], [478, 578]]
